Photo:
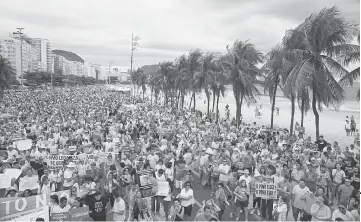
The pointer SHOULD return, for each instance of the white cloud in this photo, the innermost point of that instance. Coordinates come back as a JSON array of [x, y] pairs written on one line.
[[98, 30]]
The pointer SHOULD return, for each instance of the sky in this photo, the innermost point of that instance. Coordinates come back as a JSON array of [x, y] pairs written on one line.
[[100, 30]]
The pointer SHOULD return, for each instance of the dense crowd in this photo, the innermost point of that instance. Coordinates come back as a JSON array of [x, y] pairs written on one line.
[[115, 137]]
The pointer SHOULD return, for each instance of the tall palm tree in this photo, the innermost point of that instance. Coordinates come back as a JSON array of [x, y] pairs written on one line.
[[304, 102], [348, 54], [319, 35], [193, 66], [7, 74], [142, 82], [206, 77], [182, 80], [134, 78], [241, 62], [166, 77], [274, 71]]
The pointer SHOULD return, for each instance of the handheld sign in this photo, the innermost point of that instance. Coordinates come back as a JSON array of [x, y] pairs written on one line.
[[266, 190]]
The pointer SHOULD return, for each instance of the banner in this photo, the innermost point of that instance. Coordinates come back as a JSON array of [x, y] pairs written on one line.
[[23, 144], [14, 205], [29, 215], [79, 214], [58, 160], [6, 177], [266, 190], [60, 216]]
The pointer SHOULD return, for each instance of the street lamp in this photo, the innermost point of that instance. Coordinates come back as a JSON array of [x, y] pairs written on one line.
[[19, 32]]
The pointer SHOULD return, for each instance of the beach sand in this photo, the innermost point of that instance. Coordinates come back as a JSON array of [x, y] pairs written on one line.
[[331, 122]]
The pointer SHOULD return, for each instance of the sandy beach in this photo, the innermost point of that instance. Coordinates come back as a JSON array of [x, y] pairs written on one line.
[[331, 122]]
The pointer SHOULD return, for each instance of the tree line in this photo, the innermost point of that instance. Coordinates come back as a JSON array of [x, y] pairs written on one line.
[[308, 65]]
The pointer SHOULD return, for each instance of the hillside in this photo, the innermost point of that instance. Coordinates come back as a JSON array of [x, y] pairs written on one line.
[[68, 55], [150, 68]]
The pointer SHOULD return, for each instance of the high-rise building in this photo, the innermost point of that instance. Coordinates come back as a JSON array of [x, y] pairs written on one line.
[[10, 49], [43, 53]]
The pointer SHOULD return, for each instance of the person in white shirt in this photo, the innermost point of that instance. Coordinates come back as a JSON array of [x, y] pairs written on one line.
[[224, 169], [55, 178], [298, 193], [187, 200], [246, 177], [63, 206], [12, 154], [45, 186], [153, 159], [69, 176], [159, 166], [342, 213]]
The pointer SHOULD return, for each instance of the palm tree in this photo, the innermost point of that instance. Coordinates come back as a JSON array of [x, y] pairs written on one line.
[[143, 80], [318, 36], [206, 77], [241, 62], [134, 78], [303, 99], [166, 78], [182, 82], [193, 65], [274, 71], [349, 55], [7, 74]]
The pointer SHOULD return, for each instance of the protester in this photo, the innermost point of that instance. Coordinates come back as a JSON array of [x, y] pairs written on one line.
[[103, 141]]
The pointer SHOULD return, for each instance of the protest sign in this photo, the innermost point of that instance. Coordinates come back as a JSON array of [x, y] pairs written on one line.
[[64, 216], [5, 181], [79, 214], [266, 190], [163, 188], [23, 144], [30, 183], [146, 185], [58, 160], [29, 215], [14, 205]]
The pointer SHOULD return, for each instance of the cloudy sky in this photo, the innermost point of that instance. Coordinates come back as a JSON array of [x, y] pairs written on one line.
[[98, 30]]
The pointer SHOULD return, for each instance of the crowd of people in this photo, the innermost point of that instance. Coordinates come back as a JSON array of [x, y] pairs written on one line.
[[315, 180]]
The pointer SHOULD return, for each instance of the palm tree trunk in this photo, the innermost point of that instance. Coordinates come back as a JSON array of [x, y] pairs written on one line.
[[302, 111], [194, 101], [2, 92], [315, 112], [208, 102], [217, 107], [190, 102], [273, 103], [214, 99], [183, 94], [143, 95], [151, 97], [292, 113]]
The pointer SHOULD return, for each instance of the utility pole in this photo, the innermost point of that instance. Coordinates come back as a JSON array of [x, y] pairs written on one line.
[[20, 33], [110, 63]]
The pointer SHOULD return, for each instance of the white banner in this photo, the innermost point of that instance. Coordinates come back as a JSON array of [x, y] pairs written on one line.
[[163, 188], [29, 215]]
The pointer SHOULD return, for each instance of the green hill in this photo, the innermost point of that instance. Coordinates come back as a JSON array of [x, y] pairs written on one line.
[[68, 55], [150, 68]]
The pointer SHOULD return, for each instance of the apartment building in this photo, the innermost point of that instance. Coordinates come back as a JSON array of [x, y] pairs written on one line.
[[43, 54]]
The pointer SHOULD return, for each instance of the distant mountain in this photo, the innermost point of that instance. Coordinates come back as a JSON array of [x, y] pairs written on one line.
[[150, 68], [68, 55]]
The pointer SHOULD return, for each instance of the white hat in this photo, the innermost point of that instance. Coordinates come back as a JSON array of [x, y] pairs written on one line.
[[71, 164]]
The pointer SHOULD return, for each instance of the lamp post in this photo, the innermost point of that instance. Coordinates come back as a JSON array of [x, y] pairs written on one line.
[[20, 33]]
